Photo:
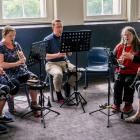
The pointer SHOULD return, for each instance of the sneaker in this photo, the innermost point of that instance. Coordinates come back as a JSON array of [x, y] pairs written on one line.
[[128, 108], [3, 129], [115, 108], [6, 119]]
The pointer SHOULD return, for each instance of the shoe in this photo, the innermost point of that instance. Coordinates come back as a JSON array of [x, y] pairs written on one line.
[[3, 129], [133, 119], [35, 106], [115, 108], [60, 98], [66, 88], [128, 108], [60, 101], [6, 119], [37, 114]]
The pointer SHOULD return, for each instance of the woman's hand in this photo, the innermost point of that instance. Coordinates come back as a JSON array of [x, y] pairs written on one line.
[[128, 55], [138, 71], [120, 60], [21, 55], [1, 71], [20, 62]]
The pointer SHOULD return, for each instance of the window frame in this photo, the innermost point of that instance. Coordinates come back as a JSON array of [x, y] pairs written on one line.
[[122, 16], [49, 16], [138, 10]]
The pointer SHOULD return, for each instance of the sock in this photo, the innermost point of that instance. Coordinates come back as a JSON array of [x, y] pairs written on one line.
[[59, 95], [66, 88]]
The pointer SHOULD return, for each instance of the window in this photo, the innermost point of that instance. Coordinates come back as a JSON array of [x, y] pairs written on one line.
[[21, 11], [105, 9]]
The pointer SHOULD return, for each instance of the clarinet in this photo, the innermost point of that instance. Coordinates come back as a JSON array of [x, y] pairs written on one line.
[[121, 58], [18, 50]]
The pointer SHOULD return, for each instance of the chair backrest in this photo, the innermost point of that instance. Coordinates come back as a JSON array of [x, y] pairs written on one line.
[[97, 56]]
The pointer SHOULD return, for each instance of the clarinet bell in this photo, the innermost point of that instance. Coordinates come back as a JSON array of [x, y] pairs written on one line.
[[49, 102]]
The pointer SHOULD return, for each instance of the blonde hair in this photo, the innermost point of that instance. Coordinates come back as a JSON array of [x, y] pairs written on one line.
[[55, 21], [7, 29], [136, 41]]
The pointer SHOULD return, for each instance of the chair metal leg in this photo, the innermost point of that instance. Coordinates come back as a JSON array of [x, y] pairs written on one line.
[[27, 94], [86, 79], [51, 87]]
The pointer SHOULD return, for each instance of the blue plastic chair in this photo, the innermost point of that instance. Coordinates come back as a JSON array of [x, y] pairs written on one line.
[[97, 62]]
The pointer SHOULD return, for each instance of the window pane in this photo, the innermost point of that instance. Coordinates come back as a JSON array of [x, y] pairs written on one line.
[[12, 9], [103, 7], [108, 7], [23, 9], [94, 7], [31, 8]]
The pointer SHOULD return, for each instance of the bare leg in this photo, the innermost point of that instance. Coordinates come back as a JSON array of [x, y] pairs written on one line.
[[2, 103], [33, 95], [138, 109]]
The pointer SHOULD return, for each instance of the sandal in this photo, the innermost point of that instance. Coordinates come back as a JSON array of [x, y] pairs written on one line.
[[37, 114], [133, 119], [35, 106]]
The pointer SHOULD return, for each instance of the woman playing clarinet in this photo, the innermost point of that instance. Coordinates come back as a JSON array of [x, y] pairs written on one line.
[[125, 75]]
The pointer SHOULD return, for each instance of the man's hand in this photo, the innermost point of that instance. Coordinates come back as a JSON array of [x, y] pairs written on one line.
[[69, 53], [61, 54]]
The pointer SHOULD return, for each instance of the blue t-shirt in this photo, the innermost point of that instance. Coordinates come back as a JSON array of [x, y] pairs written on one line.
[[54, 45]]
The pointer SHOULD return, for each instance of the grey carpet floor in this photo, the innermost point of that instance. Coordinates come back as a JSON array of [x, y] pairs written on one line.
[[73, 124]]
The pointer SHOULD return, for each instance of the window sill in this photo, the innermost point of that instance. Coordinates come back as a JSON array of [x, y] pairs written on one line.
[[28, 26], [104, 22]]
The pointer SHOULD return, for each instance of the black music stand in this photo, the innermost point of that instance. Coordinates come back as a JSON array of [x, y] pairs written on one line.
[[37, 55], [76, 41], [107, 105]]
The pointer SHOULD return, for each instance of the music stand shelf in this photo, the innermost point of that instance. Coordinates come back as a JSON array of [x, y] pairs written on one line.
[[76, 41]]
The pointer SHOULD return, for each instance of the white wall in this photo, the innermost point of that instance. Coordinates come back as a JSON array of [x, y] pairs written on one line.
[[71, 12], [132, 10]]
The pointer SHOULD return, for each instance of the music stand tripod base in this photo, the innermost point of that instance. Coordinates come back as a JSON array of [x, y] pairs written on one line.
[[79, 99], [105, 106], [75, 41]]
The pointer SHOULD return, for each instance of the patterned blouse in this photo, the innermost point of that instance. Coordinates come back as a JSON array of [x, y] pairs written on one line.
[[10, 55]]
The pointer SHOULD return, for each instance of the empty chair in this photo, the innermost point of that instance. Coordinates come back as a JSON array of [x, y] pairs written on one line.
[[97, 62]]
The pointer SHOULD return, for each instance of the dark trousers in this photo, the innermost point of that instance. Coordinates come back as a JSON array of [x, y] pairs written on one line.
[[10, 83], [122, 89]]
